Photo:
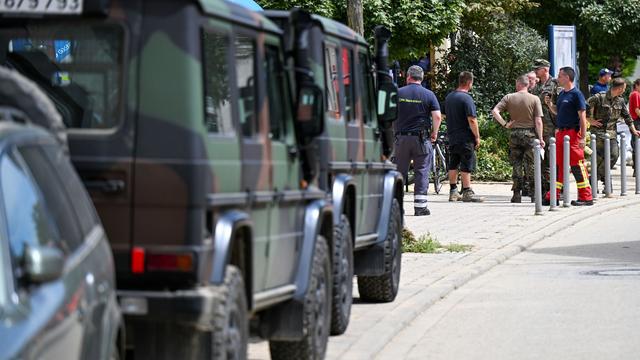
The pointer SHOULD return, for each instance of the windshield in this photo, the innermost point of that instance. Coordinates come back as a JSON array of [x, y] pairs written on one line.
[[77, 66]]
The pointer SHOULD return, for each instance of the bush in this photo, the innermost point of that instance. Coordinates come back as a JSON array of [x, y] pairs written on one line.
[[493, 154]]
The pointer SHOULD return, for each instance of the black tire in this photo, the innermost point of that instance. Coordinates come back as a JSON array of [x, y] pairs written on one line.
[[317, 307], [342, 288], [384, 288], [230, 325], [19, 92], [439, 171]]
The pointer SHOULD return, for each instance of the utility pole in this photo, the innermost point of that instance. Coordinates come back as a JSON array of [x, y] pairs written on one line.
[[354, 16]]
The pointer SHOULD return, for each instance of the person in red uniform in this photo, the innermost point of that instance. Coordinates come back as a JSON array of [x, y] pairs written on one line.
[[634, 110], [571, 120]]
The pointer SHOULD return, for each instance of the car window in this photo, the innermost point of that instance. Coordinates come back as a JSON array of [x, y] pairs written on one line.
[[29, 222], [217, 97], [78, 66], [366, 87], [246, 82], [331, 80], [348, 81], [277, 93]]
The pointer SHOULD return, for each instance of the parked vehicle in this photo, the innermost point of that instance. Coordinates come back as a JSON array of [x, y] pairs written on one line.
[[57, 282], [181, 128], [366, 190]]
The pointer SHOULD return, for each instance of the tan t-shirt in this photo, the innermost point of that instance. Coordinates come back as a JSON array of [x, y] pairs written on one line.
[[523, 108]]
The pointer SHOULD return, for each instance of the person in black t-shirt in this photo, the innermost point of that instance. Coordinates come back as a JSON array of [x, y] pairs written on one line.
[[464, 138]]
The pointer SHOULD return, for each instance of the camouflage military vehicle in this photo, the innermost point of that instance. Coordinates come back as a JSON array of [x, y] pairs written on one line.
[[366, 190], [194, 169]]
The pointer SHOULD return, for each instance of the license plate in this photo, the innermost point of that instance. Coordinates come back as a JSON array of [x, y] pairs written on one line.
[[58, 7]]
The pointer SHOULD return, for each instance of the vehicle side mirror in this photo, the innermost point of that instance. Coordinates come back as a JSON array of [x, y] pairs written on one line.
[[387, 102], [310, 111], [43, 264]]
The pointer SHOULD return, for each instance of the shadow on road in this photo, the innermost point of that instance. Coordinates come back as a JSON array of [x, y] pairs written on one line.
[[627, 251]]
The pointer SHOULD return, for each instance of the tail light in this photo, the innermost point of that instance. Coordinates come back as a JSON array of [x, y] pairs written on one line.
[[142, 261]]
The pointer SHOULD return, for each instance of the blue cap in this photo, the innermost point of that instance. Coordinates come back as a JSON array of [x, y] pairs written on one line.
[[605, 71]]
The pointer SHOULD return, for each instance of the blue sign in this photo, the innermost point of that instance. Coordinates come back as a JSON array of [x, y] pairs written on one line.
[[62, 48]]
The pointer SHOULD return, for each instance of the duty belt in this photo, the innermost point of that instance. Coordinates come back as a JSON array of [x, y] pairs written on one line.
[[410, 133]]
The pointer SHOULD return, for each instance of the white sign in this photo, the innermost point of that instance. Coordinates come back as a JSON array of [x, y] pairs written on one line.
[[562, 48], [56, 7]]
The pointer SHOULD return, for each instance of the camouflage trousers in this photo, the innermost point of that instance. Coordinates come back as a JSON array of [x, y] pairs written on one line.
[[521, 158], [614, 148], [544, 165]]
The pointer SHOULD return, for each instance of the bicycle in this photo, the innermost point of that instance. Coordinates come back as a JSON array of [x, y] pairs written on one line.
[[438, 173]]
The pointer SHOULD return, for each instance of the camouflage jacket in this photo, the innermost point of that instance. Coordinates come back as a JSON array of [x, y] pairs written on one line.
[[553, 89], [609, 110]]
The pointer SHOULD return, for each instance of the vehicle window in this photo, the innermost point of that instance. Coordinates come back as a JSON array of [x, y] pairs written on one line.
[[366, 87], [217, 97], [29, 222], [331, 79], [245, 69], [78, 66], [277, 93], [56, 199], [348, 82]]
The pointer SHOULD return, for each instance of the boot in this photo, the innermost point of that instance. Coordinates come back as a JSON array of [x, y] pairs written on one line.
[[469, 196], [454, 195], [516, 198], [421, 211]]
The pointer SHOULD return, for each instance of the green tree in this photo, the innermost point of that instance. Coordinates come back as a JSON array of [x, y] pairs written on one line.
[[604, 27]]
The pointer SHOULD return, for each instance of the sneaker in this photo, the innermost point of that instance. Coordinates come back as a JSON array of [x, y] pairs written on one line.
[[516, 198], [454, 195], [581, 202], [469, 196], [421, 211]]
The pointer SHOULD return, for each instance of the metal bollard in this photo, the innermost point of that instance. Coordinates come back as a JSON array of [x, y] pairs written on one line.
[[636, 165], [553, 198], [623, 164], [537, 173], [594, 167], [566, 171], [607, 166]]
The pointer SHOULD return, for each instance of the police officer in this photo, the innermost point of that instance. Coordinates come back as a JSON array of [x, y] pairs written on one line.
[[546, 86], [416, 107], [603, 112]]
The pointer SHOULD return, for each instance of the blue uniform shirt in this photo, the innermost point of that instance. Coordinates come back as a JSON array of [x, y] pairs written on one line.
[[459, 106], [415, 105], [598, 88], [569, 103]]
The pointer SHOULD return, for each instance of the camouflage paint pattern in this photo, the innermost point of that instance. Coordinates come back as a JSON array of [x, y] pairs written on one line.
[[521, 158]]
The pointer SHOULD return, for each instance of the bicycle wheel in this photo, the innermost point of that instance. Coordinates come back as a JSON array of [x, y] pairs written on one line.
[[439, 169]]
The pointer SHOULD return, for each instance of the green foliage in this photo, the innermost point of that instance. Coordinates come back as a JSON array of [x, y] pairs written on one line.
[[484, 16], [493, 154], [427, 244], [413, 25], [495, 59]]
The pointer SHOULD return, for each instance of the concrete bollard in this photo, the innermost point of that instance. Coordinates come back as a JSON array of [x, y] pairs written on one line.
[[607, 166], [537, 173], [594, 167], [553, 198], [636, 165], [566, 171], [623, 164]]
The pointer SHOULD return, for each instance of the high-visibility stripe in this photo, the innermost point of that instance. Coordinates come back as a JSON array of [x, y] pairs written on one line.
[[419, 197], [419, 204], [558, 185]]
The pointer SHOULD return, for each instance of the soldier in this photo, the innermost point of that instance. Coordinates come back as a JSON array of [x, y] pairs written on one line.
[[604, 110], [417, 106], [533, 80], [526, 125], [546, 86]]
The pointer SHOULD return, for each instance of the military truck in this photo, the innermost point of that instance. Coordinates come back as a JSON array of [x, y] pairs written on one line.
[[193, 165], [366, 190]]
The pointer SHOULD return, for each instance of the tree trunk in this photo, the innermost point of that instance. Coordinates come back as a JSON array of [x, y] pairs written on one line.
[[583, 62], [354, 16]]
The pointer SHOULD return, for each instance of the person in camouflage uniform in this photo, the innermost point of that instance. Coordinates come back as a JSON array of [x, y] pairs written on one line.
[[547, 86], [604, 110], [526, 125]]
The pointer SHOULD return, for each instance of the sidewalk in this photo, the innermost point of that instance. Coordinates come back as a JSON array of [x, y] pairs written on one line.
[[497, 230]]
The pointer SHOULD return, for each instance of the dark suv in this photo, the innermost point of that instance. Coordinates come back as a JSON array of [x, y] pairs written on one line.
[[57, 283], [180, 125]]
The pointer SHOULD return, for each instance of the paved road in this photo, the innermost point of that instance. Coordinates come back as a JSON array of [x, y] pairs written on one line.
[[574, 295]]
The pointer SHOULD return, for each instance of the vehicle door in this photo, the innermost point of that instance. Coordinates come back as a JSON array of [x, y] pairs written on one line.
[[334, 143], [366, 113], [54, 312], [80, 66], [253, 122], [286, 215]]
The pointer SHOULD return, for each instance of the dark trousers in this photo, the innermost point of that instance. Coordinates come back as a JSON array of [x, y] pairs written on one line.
[[419, 150]]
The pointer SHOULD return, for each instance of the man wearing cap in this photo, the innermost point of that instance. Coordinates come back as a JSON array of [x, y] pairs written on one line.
[[603, 112], [546, 86], [417, 106], [526, 125], [602, 85]]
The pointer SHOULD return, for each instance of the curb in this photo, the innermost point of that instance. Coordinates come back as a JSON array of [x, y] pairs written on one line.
[[369, 345]]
